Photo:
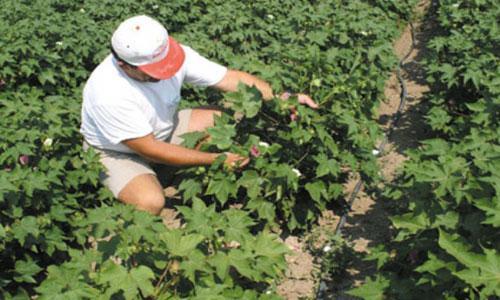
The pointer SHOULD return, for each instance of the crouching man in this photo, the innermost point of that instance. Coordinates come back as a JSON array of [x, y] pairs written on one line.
[[129, 111]]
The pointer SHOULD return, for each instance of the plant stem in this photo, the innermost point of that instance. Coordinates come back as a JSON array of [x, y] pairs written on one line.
[[162, 277]]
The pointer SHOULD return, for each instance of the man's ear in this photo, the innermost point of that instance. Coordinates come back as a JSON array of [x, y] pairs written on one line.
[[124, 66]]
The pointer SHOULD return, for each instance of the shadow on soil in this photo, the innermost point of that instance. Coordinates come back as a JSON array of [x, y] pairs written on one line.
[[411, 125]]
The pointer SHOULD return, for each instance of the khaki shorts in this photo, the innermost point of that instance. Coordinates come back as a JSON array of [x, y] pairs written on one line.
[[122, 167]]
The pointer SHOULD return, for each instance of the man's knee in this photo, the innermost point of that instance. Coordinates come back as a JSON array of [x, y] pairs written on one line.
[[145, 193], [153, 203], [150, 202]]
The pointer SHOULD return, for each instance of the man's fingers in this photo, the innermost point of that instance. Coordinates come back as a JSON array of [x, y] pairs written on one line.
[[236, 161], [312, 104], [243, 162], [305, 99]]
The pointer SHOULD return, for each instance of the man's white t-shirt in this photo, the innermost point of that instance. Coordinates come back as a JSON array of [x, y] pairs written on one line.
[[116, 107]]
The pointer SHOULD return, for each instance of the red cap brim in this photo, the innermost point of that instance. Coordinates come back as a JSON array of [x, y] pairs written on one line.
[[167, 67]]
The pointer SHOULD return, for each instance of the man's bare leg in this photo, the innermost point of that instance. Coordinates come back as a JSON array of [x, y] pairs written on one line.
[[145, 192], [201, 119]]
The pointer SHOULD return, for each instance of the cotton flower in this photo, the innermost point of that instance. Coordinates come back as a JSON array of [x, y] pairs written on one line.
[[48, 142], [456, 5], [297, 172], [270, 17], [24, 160], [327, 248], [254, 151], [375, 152], [155, 6], [264, 144], [364, 33], [59, 43], [82, 10]]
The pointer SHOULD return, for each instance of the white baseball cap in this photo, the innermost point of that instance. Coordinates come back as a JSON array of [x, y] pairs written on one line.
[[143, 42]]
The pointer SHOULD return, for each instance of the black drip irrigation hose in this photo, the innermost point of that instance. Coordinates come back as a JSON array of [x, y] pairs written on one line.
[[393, 123]]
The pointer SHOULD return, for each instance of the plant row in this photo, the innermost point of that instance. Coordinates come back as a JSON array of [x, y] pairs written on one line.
[[447, 200]]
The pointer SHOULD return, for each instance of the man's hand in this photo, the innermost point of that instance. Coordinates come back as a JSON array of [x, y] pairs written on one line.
[[234, 160]]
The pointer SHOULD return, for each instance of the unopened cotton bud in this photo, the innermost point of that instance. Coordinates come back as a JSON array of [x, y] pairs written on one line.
[[297, 172], [48, 142]]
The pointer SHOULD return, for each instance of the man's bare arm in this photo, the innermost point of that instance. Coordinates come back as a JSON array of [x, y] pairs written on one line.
[[175, 155], [230, 84]]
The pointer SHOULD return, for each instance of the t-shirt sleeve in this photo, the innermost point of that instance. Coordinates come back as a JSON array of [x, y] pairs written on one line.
[[120, 122], [201, 71]]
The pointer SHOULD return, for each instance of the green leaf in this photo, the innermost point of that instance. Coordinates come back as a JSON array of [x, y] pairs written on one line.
[[267, 245], [26, 270], [27, 226], [247, 100], [220, 262], [130, 282], [265, 209], [316, 189], [410, 222], [191, 139], [179, 244], [195, 263], [198, 217], [65, 282], [242, 262], [491, 207], [222, 187], [371, 289], [252, 182], [326, 166], [237, 225], [191, 188], [380, 254], [47, 76], [221, 134], [433, 264], [481, 270]]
